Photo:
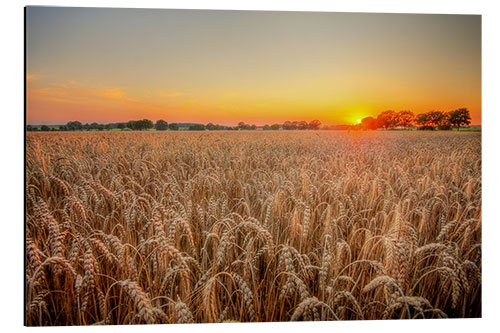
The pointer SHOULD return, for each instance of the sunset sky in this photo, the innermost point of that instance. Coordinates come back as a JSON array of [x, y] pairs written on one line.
[[113, 65]]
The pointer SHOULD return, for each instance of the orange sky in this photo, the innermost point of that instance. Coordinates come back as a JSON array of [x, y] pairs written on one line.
[[111, 65]]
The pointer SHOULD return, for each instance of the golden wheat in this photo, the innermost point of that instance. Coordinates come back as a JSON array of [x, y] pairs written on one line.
[[177, 227]]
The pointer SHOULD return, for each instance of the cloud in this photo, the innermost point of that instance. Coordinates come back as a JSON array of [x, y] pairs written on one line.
[[30, 77], [74, 93], [59, 103]]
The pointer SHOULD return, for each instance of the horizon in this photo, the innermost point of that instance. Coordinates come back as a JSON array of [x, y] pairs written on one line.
[[223, 66], [204, 123]]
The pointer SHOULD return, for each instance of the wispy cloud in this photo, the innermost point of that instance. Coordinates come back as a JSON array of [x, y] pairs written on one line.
[[74, 93], [73, 100], [30, 77]]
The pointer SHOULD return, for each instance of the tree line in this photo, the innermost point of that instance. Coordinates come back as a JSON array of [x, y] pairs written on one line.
[[425, 121], [136, 125], [162, 125], [386, 120]]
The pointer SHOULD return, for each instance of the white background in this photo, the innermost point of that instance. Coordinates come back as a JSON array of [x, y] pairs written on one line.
[[12, 164]]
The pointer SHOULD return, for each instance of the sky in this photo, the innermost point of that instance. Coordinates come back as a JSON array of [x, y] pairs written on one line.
[[261, 67]]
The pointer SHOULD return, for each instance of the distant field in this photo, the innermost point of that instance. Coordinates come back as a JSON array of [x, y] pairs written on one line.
[[178, 227], [468, 129]]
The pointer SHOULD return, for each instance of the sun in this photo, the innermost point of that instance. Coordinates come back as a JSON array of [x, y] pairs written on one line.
[[358, 121]]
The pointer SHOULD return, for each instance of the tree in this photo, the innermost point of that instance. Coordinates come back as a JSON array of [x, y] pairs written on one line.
[[369, 123], [287, 125], [211, 127], [29, 128], [121, 126], [404, 118], [173, 127], [140, 125], [386, 119], [196, 127], [459, 117], [145, 124], [132, 124], [243, 126], [315, 124], [266, 127], [161, 125], [45, 128], [275, 127], [422, 119], [439, 119], [302, 125], [74, 126]]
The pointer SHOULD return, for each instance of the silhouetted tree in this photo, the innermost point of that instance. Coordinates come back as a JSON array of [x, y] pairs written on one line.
[[132, 124], [211, 127], [368, 123], [315, 124], [243, 126], [74, 126], [161, 125], [196, 127], [173, 127], [386, 119], [45, 128], [302, 125], [439, 119], [275, 127], [121, 126], [459, 117], [422, 120], [140, 125], [145, 124], [290, 125], [405, 118]]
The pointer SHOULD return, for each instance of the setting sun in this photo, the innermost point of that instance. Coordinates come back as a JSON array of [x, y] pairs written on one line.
[[358, 121]]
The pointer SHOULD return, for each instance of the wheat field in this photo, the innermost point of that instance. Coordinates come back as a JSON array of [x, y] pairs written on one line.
[[189, 227]]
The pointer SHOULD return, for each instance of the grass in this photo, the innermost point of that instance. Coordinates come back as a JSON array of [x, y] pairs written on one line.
[[468, 129]]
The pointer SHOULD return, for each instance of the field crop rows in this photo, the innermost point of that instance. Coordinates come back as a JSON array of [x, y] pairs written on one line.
[[177, 227]]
